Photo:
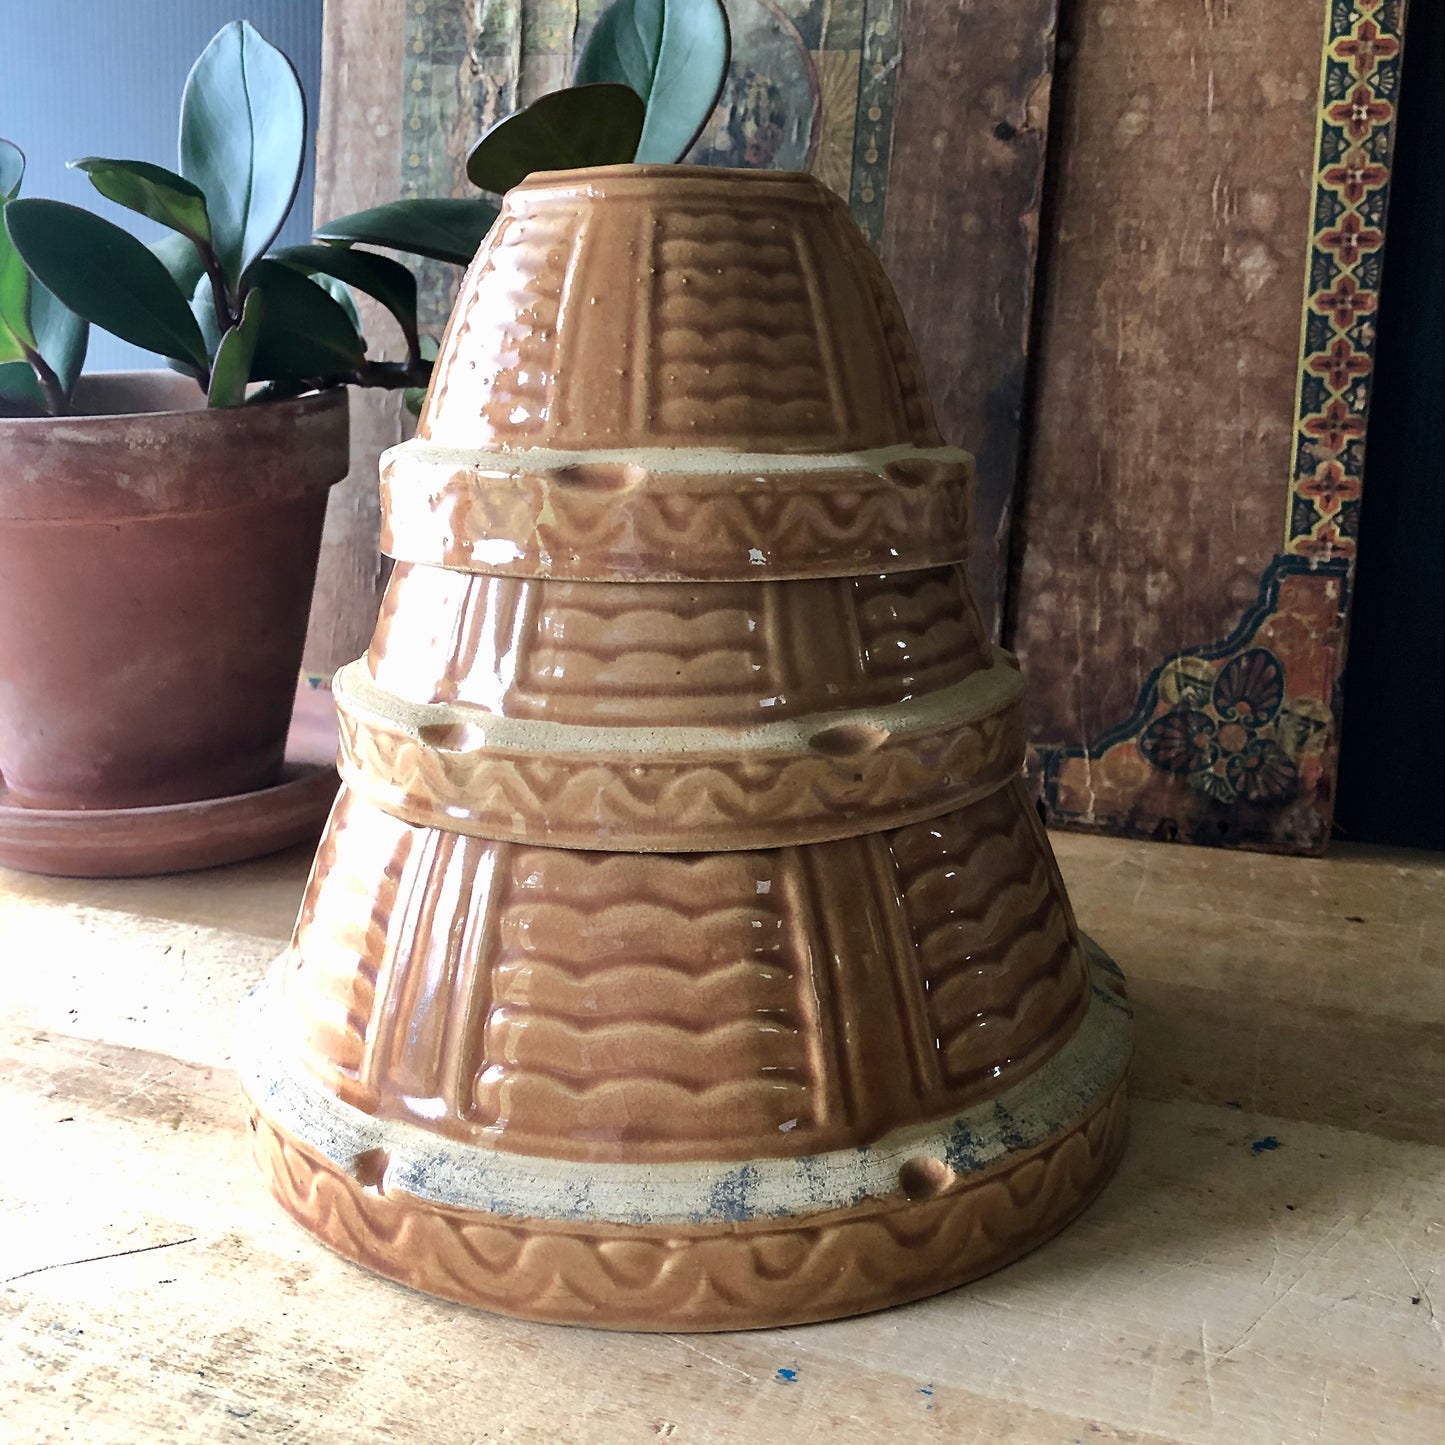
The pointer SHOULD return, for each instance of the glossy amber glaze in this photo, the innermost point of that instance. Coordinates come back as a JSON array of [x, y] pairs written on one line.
[[683, 907], [673, 652], [616, 1006]]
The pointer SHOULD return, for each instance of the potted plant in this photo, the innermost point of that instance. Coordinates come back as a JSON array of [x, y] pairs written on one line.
[[159, 530]]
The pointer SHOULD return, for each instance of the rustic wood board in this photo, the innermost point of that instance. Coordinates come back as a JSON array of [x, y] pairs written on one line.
[[1195, 465], [358, 165], [1261, 1272], [928, 116]]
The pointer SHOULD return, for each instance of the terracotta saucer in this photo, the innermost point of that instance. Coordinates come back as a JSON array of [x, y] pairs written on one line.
[[127, 842], [181, 837]]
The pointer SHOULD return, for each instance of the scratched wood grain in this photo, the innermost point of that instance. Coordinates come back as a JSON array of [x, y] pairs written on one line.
[[1160, 451], [358, 164], [960, 234], [1262, 1271]]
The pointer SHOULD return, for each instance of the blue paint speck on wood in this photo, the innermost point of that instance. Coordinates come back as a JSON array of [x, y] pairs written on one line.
[[1258, 1146], [787, 1376]]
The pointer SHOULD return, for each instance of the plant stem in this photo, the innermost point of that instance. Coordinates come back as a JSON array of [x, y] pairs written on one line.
[[56, 401], [393, 375], [220, 297]]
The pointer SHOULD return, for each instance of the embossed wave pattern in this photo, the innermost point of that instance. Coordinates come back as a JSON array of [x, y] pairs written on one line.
[[652, 654], [721, 1277], [1000, 959], [660, 803], [596, 1005], [605, 523]]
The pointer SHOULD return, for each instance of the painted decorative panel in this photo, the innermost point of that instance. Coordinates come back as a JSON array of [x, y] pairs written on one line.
[[1207, 342]]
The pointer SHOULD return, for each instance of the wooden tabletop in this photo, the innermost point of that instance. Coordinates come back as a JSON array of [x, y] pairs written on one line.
[[1263, 1269]]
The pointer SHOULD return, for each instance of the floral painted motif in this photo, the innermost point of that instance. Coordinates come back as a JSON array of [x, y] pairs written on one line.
[[1226, 746]]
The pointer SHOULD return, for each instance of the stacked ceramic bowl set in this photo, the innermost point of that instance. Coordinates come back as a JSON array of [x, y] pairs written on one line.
[[684, 951]]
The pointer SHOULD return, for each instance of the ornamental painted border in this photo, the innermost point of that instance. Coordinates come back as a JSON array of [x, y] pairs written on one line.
[[1359, 89]]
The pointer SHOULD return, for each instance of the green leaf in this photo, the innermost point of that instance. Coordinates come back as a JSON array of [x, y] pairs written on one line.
[[153, 191], [243, 138], [20, 393], [105, 275], [15, 332], [12, 169], [61, 336], [442, 229], [203, 308], [304, 333], [32, 320], [232, 369], [340, 293], [413, 396], [588, 125], [180, 257], [380, 277], [674, 54]]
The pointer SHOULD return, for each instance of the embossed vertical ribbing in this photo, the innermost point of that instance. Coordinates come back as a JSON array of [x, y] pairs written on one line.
[[907, 368], [497, 369], [414, 1020], [416, 904], [834, 1106], [343, 934], [467, 1030], [900, 959]]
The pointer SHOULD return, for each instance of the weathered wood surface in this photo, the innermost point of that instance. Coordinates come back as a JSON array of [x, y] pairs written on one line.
[[1262, 1272], [358, 164], [961, 230], [1160, 452]]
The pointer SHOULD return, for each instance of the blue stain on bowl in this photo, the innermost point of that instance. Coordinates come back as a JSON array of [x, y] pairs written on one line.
[[731, 1198], [961, 1154], [1009, 1133], [787, 1376], [1259, 1146]]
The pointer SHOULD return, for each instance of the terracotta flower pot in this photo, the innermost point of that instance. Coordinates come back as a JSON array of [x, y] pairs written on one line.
[[156, 566], [684, 952]]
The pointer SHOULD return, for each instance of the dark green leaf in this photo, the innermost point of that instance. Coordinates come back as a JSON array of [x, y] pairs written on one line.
[[304, 333], [674, 54], [232, 368], [243, 137], [413, 396], [180, 257], [61, 336], [153, 191], [443, 229], [12, 169], [340, 293], [20, 393], [386, 280], [588, 125], [105, 275]]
